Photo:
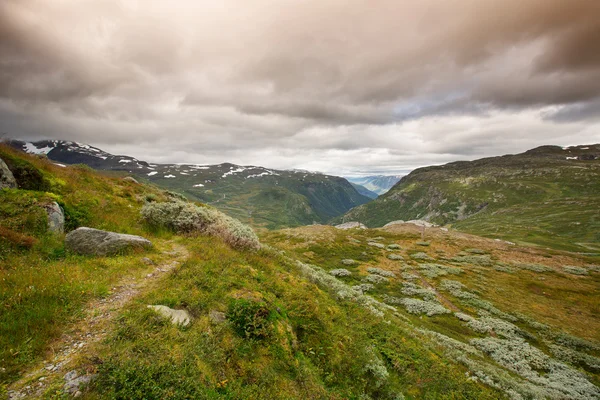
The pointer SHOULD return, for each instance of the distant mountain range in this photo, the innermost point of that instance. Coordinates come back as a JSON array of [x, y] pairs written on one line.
[[257, 195], [548, 196], [378, 184]]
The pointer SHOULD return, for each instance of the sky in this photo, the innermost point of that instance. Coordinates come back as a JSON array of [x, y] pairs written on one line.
[[345, 87]]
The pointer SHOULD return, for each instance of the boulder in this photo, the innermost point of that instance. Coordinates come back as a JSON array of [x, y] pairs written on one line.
[[88, 241], [351, 225], [177, 317], [7, 179], [56, 218]]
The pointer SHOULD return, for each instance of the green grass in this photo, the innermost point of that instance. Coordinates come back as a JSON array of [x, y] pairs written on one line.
[[534, 198]]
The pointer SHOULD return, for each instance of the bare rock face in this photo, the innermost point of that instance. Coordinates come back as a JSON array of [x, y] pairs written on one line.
[[177, 317], [56, 218], [88, 241], [7, 179]]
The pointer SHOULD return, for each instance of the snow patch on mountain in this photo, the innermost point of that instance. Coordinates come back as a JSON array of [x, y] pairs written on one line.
[[152, 173], [30, 148]]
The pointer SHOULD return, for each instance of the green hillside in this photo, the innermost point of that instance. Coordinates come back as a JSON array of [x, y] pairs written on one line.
[[408, 319], [547, 196]]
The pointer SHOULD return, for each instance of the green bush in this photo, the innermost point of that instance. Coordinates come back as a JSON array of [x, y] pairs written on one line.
[[250, 319], [185, 217], [28, 176]]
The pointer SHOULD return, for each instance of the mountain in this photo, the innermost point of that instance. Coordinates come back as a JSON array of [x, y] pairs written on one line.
[[549, 196], [315, 313], [379, 184], [364, 191], [256, 195]]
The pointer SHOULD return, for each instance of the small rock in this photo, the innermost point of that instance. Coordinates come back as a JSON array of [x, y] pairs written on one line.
[[77, 393], [7, 179], [177, 317], [56, 218], [351, 225], [217, 317], [73, 382]]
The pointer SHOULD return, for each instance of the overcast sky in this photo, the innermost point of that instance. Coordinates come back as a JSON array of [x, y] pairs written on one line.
[[340, 86]]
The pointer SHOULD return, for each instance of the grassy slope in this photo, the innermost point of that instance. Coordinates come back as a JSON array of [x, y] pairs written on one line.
[[315, 345], [538, 197]]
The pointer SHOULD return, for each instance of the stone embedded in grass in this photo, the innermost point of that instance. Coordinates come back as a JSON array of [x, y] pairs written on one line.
[[88, 241], [393, 256], [575, 270], [340, 272], [177, 317], [381, 272], [74, 382], [56, 218], [348, 261], [217, 317], [393, 246], [375, 244], [7, 179], [420, 256]]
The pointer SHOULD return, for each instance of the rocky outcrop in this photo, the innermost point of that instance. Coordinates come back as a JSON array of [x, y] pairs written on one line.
[[7, 179], [56, 218], [88, 241], [351, 225], [177, 317]]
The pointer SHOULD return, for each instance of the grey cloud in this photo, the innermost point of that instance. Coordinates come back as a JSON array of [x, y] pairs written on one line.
[[298, 77]]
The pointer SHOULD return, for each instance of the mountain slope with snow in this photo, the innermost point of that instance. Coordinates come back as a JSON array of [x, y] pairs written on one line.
[[257, 195]]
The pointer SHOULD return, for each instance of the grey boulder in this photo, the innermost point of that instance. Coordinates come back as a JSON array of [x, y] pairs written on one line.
[[56, 218], [7, 179], [89, 241]]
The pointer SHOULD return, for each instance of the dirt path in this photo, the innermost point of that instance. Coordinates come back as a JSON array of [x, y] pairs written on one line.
[[58, 365]]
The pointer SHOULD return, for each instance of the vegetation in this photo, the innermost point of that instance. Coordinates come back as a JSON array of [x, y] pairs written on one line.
[[539, 197], [439, 322]]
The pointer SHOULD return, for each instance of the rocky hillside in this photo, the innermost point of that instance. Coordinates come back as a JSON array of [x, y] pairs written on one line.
[[379, 184], [257, 195], [549, 196]]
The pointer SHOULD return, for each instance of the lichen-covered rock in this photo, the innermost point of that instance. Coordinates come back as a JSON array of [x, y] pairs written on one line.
[[177, 317], [56, 218], [351, 225], [88, 241], [7, 179]]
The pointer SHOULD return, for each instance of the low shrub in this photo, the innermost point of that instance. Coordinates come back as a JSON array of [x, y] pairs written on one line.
[[185, 217], [340, 272], [575, 270], [250, 319], [381, 272]]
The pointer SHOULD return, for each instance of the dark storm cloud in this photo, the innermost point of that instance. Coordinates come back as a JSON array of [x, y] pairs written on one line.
[[257, 79]]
